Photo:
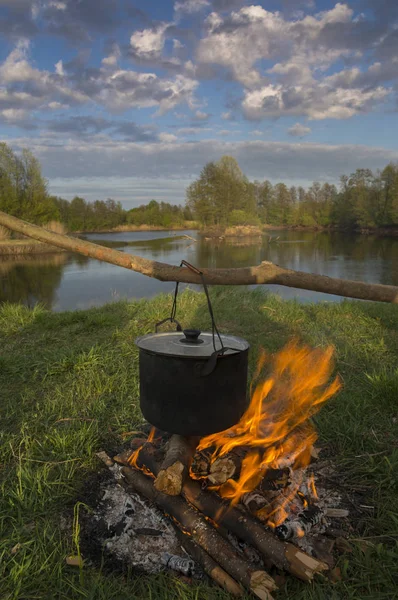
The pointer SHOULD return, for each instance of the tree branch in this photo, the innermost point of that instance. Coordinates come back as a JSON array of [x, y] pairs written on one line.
[[265, 273]]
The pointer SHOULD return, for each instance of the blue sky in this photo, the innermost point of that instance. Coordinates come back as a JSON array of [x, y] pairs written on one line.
[[129, 99]]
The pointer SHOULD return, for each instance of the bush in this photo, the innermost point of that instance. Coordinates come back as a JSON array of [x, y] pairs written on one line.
[[240, 217]]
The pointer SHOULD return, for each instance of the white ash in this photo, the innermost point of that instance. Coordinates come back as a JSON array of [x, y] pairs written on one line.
[[139, 534]]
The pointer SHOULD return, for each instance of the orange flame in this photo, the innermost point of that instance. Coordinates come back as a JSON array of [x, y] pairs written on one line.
[[133, 458], [276, 425]]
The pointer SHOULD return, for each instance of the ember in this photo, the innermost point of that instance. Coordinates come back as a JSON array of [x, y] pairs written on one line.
[[251, 481]]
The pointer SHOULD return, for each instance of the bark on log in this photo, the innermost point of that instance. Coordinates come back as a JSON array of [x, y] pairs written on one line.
[[209, 565], [175, 466], [283, 555], [265, 273], [203, 534]]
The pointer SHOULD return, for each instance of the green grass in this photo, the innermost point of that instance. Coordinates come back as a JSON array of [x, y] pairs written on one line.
[[69, 387]]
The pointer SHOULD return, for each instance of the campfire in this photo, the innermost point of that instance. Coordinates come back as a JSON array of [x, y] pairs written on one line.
[[244, 503]]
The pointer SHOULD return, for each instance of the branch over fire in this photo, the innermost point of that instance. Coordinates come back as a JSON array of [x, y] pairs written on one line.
[[265, 273]]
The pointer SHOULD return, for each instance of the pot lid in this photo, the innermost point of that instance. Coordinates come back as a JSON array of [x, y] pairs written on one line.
[[189, 343]]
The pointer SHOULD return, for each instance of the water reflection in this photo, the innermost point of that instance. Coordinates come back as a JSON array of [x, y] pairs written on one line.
[[70, 281]]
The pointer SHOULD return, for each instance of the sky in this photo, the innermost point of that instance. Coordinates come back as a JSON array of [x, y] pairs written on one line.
[[129, 99]]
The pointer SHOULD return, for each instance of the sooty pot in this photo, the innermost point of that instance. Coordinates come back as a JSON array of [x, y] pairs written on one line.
[[192, 383]]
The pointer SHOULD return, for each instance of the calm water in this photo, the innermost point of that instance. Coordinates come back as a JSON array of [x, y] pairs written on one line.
[[69, 281]]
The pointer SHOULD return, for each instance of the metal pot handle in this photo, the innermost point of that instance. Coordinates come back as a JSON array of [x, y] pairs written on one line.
[[212, 362], [214, 327]]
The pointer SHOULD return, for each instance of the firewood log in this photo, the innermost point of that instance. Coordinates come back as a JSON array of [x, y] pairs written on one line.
[[209, 565], [283, 555], [203, 534], [175, 466]]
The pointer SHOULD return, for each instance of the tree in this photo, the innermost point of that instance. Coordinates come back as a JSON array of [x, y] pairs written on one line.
[[220, 189], [23, 189]]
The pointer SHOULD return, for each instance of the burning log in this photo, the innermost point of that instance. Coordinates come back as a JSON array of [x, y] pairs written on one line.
[[275, 479], [203, 534], [299, 527], [210, 567], [223, 468], [281, 554], [175, 466]]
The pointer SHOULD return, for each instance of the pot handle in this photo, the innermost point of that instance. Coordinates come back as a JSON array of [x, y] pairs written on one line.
[[213, 322]]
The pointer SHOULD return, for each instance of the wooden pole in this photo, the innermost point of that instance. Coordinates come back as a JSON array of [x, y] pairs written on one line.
[[265, 273]]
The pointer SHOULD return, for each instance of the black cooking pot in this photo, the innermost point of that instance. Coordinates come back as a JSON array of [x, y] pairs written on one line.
[[193, 383]]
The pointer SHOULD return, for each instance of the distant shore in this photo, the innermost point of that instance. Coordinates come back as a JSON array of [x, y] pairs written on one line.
[[20, 247], [133, 228]]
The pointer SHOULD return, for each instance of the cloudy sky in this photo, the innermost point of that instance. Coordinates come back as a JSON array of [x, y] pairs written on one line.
[[130, 98]]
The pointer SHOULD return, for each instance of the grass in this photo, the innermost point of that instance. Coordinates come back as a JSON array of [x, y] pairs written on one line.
[[18, 247], [69, 387]]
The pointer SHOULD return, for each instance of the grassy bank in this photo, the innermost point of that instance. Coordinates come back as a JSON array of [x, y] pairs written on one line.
[[121, 228], [69, 387], [19, 247], [238, 231]]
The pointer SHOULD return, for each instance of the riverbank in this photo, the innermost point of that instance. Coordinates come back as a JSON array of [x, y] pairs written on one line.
[[69, 386], [192, 225], [377, 231], [239, 231], [19, 247]]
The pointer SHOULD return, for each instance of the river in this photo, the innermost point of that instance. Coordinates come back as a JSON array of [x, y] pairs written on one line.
[[67, 281]]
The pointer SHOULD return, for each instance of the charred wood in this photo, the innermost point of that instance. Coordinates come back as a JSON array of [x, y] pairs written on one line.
[[281, 554], [209, 565], [302, 525], [203, 534], [275, 479]]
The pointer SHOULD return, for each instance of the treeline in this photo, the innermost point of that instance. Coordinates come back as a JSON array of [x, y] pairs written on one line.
[[24, 194], [223, 195], [158, 214]]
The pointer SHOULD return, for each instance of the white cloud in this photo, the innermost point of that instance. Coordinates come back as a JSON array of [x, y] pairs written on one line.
[[100, 157], [57, 106], [129, 89], [201, 116], [59, 68], [112, 59], [302, 49], [13, 115], [299, 130], [257, 132], [149, 43], [167, 137], [321, 101], [241, 39], [116, 89], [58, 5], [190, 6]]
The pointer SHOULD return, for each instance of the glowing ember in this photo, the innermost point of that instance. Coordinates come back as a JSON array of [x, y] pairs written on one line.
[[276, 426]]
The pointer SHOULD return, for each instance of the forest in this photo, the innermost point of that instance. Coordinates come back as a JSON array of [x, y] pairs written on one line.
[[24, 194], [221, 196]]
